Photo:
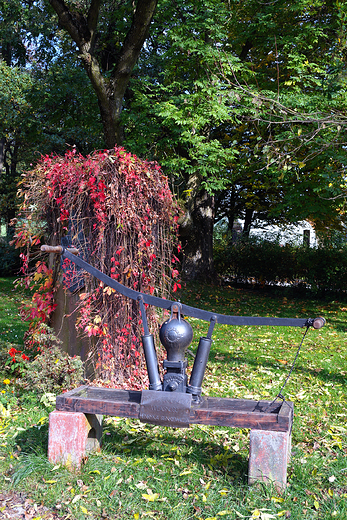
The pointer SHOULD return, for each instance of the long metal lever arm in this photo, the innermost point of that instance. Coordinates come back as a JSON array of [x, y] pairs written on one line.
[[185, 309]]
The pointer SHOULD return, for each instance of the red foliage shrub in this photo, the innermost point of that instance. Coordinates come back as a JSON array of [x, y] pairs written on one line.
[[119, 212]]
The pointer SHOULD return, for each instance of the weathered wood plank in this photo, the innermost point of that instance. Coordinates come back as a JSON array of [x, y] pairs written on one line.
[[233, 413]]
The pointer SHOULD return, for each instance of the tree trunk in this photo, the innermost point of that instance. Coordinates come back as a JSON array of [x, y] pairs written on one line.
[[2, 153], [109, 90], [196, 232], [248, 222]]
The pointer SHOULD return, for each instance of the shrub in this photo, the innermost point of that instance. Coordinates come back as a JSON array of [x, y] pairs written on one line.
[[9, 258], [260, 261], [52, 371]]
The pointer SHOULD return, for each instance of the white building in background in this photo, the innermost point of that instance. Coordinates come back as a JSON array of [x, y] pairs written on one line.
[[299, 233]]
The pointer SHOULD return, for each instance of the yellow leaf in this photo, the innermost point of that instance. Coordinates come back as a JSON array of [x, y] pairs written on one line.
[[277, 500], [94, 471], [331, 492], [282, 513], [136, 516], [204, 498], [256, 513], [109, 290], [84, 510], [316, 504], [185, 472], [223, 491], [208, 485], [223, 513], [51, 481], [150, 498]]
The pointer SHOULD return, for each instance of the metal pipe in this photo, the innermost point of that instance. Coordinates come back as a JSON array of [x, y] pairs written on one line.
[[199, 367], [151, 362]]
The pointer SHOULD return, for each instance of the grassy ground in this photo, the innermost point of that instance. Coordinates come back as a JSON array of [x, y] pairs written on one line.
[[149, 471]]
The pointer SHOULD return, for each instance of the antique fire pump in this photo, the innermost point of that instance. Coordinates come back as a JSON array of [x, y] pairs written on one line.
[[170, 402]]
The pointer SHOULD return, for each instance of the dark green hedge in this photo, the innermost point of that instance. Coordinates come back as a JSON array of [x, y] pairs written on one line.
[[263, 262], [9, 258]]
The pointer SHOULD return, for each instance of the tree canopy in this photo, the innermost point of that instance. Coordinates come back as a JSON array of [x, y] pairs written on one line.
[[243, 104]]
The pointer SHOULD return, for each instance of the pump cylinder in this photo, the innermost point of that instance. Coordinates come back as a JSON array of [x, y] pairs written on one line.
[[151, 362], [199, 367]]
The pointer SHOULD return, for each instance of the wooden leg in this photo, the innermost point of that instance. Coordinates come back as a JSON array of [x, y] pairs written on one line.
[[268, 457], [71, 436]]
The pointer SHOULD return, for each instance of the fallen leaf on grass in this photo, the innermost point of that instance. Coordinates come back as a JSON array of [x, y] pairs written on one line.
[[150, 496], [185, 472], [261, 515], [141, 485], [277, 500]]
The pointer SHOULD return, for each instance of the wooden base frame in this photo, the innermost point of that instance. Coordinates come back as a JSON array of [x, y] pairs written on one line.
[[270, 423]]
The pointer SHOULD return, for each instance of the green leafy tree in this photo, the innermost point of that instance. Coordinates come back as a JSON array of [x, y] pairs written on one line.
[[109, 37], [47, 103], [241, 101], [14, 110]]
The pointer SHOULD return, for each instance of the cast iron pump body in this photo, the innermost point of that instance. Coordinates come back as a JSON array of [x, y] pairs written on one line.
[[176, 335]]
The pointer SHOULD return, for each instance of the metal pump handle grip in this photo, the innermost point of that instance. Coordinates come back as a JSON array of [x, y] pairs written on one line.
[[318, 323]]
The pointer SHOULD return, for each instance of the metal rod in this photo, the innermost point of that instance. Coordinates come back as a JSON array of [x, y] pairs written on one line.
[[199, 367], [143, 315], [186, 309]]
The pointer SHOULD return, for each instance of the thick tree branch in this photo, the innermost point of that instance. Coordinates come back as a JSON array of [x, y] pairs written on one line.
[[74, 23], [133, 44], [93, 15]]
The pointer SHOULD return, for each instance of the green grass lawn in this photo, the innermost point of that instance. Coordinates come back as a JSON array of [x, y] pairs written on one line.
[[146, 471]]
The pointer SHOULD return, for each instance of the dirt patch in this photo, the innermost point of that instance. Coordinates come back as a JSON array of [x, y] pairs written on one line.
[[17, 506]]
